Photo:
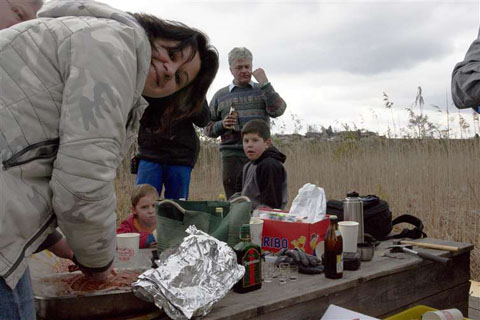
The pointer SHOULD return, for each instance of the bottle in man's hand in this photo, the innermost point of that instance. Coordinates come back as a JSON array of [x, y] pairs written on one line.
[[234, 112]]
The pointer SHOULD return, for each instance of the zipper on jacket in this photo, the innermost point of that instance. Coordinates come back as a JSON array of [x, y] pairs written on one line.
[[22, 255], [12, 161]]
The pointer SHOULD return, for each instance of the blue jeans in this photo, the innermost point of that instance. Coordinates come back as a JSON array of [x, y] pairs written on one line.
[[176, 179], [17, 304]]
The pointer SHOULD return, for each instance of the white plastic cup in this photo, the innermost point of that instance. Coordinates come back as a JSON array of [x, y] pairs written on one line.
[[448, 314], [256, 230], [128, 246], [349, 231]]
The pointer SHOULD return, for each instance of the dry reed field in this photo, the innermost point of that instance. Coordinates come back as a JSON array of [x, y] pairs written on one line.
[[436, 180]]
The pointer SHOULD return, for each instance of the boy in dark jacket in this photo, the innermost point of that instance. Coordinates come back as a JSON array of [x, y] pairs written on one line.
[[264, 178]]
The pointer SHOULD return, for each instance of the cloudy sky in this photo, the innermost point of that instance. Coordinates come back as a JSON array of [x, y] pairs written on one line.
[[332, 60]]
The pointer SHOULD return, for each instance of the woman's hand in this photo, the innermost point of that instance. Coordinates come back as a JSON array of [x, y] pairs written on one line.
[[103, 276]]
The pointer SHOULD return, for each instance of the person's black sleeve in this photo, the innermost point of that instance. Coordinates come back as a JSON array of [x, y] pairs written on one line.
[[202, 118], [239, 183], [238, 186], [270, 176]]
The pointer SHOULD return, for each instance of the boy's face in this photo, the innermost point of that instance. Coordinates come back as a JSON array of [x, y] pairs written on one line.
[[144, 210], [254, 145]]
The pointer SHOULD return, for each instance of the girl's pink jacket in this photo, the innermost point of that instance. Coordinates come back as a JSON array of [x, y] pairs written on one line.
[[128, 225]]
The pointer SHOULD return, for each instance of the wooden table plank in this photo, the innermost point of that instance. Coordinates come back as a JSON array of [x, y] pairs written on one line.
[[455, 297], [374, 276], [381, 287]]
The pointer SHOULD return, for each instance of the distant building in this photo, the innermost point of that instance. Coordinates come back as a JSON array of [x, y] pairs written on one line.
[[327, 135]]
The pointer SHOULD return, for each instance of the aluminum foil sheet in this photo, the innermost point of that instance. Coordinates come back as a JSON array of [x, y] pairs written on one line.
[[190, 278]]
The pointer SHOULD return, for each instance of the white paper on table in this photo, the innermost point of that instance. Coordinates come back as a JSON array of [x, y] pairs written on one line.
[[338, 313]]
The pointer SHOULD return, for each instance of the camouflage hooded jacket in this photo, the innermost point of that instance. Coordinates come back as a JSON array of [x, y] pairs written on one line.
[[465, 79], [70, 100]]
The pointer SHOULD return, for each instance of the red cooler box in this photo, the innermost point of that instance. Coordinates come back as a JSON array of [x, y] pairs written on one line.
[[278, 234]]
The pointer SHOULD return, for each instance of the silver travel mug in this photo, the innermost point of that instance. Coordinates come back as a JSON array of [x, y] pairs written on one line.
[[353, 211]]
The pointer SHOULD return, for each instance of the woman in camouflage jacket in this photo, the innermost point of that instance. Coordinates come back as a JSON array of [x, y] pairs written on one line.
[[70, 102]]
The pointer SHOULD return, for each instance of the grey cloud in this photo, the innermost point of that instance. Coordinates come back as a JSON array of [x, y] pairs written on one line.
[[367, 39]]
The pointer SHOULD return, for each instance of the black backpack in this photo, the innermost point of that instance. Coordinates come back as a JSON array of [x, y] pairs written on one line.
[[377, 219]]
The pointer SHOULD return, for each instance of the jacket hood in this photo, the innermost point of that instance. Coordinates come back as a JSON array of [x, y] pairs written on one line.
[[85, 8], [272, 152], [90, 8]]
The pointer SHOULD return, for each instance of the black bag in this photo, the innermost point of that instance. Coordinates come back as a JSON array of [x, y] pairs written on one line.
[[377, 217]]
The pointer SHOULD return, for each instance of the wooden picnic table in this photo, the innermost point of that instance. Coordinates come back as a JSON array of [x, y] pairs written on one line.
[[381, 287]]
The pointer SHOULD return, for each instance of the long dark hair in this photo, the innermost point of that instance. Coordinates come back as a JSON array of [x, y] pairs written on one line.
[[189, 99]]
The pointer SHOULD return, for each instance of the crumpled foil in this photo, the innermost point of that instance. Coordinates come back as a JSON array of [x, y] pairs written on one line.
[[190, 278]]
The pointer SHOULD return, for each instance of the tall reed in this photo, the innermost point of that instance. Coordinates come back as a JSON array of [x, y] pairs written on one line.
[[437, 180]]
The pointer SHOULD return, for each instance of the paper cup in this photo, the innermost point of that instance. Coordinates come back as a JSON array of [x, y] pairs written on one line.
[[349, 231], [128, 245], [256, 230], [449, 314]]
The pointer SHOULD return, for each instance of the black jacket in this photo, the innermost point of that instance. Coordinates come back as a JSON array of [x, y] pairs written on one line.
[[178, 144]]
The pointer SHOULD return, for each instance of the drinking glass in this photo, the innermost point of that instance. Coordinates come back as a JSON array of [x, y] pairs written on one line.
[[283, 272], [269, 268], [293, 272]]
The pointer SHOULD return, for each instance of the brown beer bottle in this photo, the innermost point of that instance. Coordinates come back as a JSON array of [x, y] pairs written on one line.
[[333, 256], [248, 255]]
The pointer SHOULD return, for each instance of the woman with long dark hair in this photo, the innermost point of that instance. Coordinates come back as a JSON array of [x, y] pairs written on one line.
[[168, 150]]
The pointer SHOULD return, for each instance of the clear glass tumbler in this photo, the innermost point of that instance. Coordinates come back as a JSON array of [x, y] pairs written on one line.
[[269, 268], [283, 272], [293, 272]]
